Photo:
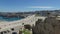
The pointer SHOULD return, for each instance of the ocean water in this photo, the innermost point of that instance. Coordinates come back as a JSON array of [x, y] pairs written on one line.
[[10, 19]]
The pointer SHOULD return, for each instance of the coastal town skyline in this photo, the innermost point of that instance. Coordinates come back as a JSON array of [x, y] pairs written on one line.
[[28, 5]]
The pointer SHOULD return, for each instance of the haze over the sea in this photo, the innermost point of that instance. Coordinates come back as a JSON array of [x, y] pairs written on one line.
[[28, 5]]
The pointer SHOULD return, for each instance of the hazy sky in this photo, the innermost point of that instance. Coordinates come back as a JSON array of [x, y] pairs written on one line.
[[28, 5]]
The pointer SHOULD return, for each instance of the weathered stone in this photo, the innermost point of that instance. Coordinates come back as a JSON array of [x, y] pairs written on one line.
[[49, 26]]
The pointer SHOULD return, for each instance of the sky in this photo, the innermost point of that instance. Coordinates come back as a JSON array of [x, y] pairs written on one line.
[[28, 5]]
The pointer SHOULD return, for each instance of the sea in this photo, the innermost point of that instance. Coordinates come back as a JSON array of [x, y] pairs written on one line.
[[10, 19]]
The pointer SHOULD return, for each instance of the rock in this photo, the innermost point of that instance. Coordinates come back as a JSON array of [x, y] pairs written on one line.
[[49, 26]]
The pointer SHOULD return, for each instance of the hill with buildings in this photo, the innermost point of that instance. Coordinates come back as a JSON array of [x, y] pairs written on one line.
[[24, 14]]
